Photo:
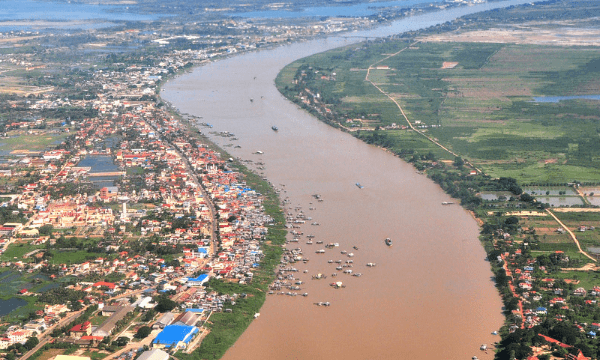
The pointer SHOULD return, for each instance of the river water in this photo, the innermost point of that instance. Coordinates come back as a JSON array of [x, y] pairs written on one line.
[[430, 296]]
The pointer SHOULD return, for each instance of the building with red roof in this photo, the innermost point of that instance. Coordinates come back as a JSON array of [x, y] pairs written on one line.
[[81, 330]]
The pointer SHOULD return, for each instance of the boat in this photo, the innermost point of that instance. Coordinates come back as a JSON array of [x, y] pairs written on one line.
[[359, 185], [388, 242], [275, 128], [337, 285]]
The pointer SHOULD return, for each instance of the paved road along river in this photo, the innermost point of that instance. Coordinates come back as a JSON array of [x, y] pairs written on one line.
[[429, 297]]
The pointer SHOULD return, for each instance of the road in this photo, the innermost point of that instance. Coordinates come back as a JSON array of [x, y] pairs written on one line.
[[198, 183], [44, 337], [570, 234]]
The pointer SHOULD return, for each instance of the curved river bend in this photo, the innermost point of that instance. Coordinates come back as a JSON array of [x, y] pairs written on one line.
[[429, 297]]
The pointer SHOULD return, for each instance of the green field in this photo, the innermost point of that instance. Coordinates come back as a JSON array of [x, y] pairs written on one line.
[[31, 142], [482, 108]]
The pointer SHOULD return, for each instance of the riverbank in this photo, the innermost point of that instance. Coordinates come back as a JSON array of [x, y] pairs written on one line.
[[224, 328]]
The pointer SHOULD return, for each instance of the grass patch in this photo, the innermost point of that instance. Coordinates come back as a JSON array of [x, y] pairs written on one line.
[[32, 142]]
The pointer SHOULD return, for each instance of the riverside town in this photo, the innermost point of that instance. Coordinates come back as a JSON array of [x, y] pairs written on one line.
[[348, 180]]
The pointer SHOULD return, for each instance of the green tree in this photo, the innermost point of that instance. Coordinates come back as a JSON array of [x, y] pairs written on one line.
[[164, 304], [143, 332], [121, 341], [31, 343]]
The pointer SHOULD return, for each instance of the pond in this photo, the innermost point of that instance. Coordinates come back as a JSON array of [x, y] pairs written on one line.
[[594, 200], [550, 191], [555, 99], [7, 306], [494, 196], [100, 164], [560, 200]]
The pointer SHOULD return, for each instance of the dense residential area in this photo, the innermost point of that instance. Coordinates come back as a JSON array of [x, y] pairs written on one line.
[[115, 232]]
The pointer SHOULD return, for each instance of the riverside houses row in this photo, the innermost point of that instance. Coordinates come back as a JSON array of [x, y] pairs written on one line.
[[176, 216]]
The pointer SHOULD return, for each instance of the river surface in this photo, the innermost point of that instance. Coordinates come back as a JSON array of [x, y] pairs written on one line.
[[430, 296]]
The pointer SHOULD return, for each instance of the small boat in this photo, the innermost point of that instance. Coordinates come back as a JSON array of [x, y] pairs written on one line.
[[388, 242], [275, 128], [359, 185]]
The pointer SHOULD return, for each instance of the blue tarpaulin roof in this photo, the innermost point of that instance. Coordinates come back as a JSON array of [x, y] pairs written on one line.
[[199, 278], [172, 334], [195, 310]]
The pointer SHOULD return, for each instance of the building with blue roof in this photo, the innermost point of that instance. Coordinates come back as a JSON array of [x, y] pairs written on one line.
[[199, 281], [202, 252], [198, 311], [174, 336]]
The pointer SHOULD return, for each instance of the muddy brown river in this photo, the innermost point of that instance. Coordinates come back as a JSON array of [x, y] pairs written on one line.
[[430, 295]]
